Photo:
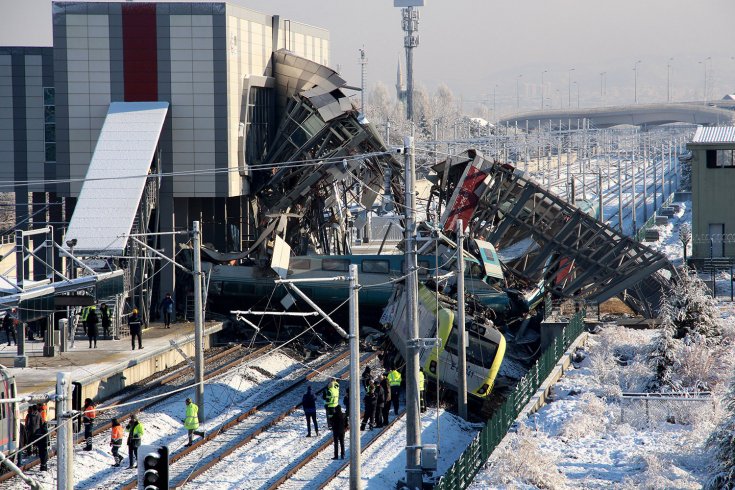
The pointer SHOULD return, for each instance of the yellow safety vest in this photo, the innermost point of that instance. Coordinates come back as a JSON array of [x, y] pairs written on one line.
[[333, 395], [394, 378], [421, 381], [192, 417]]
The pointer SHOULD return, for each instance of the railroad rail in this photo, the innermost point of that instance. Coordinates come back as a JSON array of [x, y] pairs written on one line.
[[179, 478], [181, 373]]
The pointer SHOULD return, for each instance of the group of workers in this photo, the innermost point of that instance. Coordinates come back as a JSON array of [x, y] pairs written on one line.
[[36, 432], [380, 394]]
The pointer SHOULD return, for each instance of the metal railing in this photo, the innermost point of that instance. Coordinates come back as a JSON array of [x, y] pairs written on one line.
[[641, 233], [464, 469], [640, 410]]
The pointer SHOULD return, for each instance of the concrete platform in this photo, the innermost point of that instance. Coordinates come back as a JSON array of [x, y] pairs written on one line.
[[110, 367]]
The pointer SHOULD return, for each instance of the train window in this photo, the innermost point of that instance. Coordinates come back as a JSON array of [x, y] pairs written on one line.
[[480, 353], [376, 266], [473, 270], [301, 264], [339, 265]]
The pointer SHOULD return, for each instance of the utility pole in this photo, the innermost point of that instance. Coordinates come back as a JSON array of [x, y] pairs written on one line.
[[198, 321], [410, 40], [620, 195], [64, 441], [414, 477], [354, 381], [462, 334], [599, 196], [363, 72]]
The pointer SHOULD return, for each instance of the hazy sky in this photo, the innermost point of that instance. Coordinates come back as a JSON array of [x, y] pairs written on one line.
[[472, 46]]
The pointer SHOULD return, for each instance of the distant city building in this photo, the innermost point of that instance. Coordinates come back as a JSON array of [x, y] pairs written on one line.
[[713, 181]]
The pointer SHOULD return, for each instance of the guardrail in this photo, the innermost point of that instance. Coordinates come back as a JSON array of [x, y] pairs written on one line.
[[461, 473]]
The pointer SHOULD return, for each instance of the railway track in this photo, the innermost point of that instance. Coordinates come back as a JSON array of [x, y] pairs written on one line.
[[187, 463], [285, 437], [218, 364], [324, 474]]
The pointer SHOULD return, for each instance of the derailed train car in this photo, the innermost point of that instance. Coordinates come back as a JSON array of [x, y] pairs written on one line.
[[9, 414]]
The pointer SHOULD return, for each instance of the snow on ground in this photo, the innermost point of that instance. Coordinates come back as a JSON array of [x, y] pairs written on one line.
[[384, 463], [588, 437], [228, 396]]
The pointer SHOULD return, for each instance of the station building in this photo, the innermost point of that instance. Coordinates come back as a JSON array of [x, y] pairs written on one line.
[[210, 62], [713, 181]]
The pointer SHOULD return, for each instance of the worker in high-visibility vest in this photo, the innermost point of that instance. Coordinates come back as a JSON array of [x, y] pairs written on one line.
[[135, 438], [394, 380], [89, 413], [191, 422], [331, 400], [422, 393], [116, 439], [83, 318]]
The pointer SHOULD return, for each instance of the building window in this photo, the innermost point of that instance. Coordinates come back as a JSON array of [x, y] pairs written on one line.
[[720, 159], [257, 128], [49, 114]]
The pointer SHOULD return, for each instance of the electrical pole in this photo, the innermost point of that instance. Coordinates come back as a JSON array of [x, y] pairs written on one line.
[[363, 73], [462, 334], [198, 322], [64, 441], [620, 195], [414, 477], [354, 381], [410, 41]]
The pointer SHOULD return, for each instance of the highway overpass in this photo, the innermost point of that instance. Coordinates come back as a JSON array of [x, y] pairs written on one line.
[[636, 115]]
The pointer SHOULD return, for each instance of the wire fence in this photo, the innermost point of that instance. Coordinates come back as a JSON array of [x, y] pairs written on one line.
[[643, 410], [461, 473]]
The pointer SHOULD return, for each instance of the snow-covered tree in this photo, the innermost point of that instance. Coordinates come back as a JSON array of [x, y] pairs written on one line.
[[691, 310], [689, 316], [722, 444]]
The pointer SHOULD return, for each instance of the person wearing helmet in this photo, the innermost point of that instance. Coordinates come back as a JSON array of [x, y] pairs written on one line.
[[136, 328]]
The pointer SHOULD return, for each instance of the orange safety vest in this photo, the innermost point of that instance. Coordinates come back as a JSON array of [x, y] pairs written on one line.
[[43, 411], [90, 412], [117, 432]]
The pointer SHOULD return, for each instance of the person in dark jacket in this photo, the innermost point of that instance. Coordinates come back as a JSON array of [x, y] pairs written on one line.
[[41, 441], [33, 423], [366, 377], [308, 401], [346, 402], [379, 404], [369, 415], [105, 319], [9, 327], [339, 424], [92, 321], [167, 305], [136, 328], [386, 392]]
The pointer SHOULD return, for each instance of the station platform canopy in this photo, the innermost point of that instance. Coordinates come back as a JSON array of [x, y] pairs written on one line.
[[116, 178]]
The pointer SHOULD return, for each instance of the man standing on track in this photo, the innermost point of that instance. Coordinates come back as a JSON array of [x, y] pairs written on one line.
[[394, 380], [331, 400], [339, 424], [308, 401], [135, 438], [89, 413], [191, 422], [116, 441]]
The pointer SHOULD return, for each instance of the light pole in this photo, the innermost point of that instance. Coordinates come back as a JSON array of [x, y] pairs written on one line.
[[518, 99], [569, 88], [542, 88], [495, 107], [577, 86], [704, 64], [602, 86], [668, 80], [635, 89]]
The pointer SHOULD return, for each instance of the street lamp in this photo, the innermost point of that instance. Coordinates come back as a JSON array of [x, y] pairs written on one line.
[[602, 85], [668, 80], [542, 88], [569, 102], [518, 99], [704, 64], [635, 69], [577, 85]]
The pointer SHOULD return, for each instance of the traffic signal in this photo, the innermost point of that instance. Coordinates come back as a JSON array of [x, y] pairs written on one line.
[[155, 469]]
